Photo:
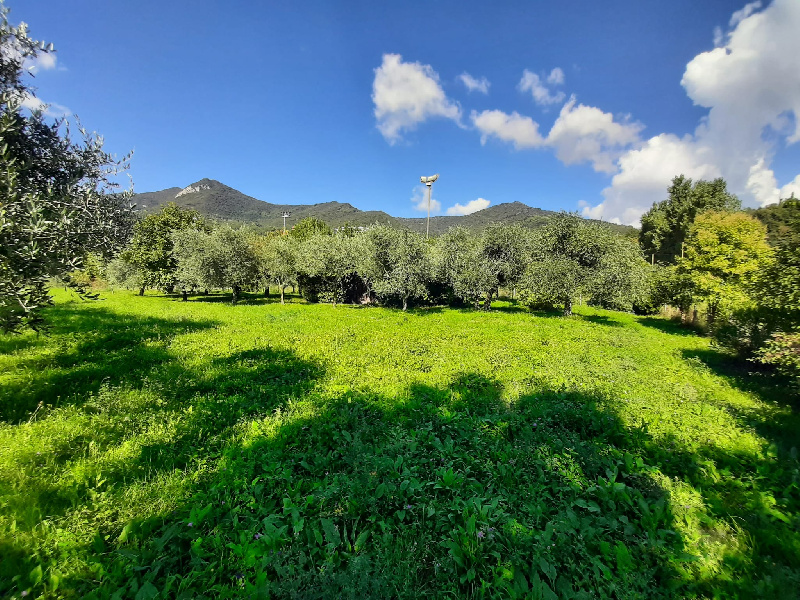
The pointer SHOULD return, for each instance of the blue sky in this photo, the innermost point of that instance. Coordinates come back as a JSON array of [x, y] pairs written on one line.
[[574, 105]]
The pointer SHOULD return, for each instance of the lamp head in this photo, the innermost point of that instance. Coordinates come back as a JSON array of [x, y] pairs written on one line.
[[429, 180]]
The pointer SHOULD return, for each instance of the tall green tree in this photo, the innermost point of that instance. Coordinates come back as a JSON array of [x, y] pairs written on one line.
[[57, 198], [780, 220], [723, 256], [666, 225], [277, 260], [569, 257], [151, 247], [397, 265], [326, 264], [459, 260], [778, 285]]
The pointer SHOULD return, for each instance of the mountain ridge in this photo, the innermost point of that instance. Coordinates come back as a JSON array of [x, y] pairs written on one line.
[[216, 200]]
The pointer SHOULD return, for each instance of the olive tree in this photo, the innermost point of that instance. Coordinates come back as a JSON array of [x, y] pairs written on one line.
[[460, 261], [151, 247], [58, 200], [223, 258], [397, 263], [327, 263], [570, 256], [277, 260]]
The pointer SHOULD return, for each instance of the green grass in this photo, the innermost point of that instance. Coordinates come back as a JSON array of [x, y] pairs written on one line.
[[151, 448]]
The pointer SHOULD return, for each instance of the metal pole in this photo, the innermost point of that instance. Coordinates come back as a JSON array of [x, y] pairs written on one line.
[[428, 224]]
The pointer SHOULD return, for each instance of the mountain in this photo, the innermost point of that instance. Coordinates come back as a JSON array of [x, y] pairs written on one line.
[[216, 200]]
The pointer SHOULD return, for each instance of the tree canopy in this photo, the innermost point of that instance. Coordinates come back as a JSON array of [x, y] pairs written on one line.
[[58, 200], [666, 225]]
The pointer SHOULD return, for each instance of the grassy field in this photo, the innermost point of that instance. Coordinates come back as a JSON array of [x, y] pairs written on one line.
[[151, 448]]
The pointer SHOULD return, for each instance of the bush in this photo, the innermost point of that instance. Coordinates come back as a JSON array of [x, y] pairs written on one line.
[[783, 351]]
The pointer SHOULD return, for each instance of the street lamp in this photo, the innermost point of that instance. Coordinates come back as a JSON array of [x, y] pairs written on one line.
[[285, 215], [429, 182]]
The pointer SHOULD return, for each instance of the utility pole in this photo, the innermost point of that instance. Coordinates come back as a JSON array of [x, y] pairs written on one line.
[[428, 181], [285, 216]]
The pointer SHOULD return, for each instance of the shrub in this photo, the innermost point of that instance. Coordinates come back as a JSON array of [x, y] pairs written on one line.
[[783, 351]]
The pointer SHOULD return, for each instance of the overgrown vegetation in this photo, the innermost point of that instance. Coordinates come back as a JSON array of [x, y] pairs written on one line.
[[194, 449], [57, 196]]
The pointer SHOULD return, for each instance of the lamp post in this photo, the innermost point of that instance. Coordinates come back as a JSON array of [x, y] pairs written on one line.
[[285, 215], [428, 181]]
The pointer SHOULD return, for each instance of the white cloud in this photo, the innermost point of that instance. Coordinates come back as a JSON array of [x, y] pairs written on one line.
[[556, 77], [419, 199], [532, 83], [580, 134], [587, 134], [475, 85], [468, 208], [791, 188], [406, 94], [741, 15], [43, 61], [719, 37], [521, 131], [750, 87], [50, 109], [645, 173]]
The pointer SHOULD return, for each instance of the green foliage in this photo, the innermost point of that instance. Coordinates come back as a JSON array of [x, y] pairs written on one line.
[[199, 450], [122, 274], [223, 258], [624, 278], [277, 260], [778, 286], [57, 200], [308, 228], [458, 260], [396, 263], [150, 249], [724, 253], [327, 263], [780, 220], [783, 351], [572, 256], [666, 225]]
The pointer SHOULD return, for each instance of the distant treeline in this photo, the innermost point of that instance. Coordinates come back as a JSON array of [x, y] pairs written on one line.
[[721, 267]]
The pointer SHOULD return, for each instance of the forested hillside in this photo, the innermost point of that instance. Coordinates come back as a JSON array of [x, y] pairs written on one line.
[[216, 200]]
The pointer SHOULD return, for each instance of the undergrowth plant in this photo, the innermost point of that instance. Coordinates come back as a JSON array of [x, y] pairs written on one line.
[[153, 448]]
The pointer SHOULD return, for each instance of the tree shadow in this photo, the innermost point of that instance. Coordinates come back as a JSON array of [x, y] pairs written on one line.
[[776, 393], [428, 493], [199, 407], [669, 326], [601, 320], [96, 347]]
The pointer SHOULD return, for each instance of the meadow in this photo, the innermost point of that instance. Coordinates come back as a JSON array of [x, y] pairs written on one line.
[[152, 448]]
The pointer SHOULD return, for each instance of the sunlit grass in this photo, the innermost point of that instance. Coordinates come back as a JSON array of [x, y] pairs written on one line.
[[361, 452]]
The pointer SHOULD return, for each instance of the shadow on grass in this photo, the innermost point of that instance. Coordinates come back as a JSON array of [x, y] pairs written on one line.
[[432, 492], [435, 492], [669, 326], [94, 347], [179, 421], [601, 320], [245, 299]]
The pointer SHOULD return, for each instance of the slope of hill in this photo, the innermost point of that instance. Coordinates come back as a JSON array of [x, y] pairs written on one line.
[[216, 200]]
